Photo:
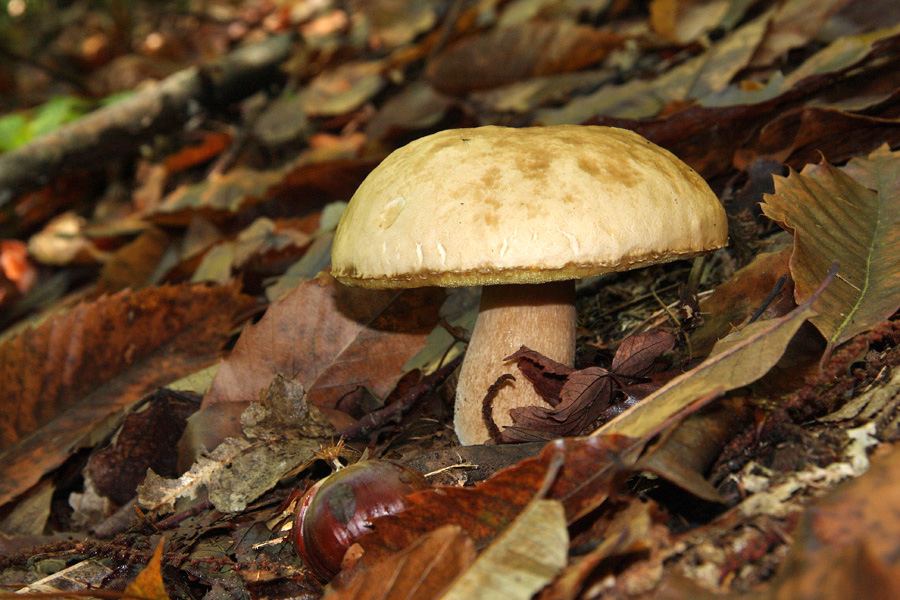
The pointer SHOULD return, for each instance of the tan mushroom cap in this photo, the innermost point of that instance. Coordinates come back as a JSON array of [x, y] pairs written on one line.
[[494, 205]]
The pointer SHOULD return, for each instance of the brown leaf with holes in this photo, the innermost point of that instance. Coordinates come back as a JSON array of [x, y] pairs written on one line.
[[60, 380]]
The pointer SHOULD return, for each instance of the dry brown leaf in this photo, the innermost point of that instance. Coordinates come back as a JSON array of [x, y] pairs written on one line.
[[148, 585], [517, 52], [522, 560], [422, 571], [850, 216], [848, 542], [64, 378], [331, 338]]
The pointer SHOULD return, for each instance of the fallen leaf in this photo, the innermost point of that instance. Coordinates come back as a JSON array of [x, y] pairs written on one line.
[[148, 585], [144, 440], [637, 355], [522, 560], [737, 360], [210, 145], [422, 571], [517, 52], [850, 216], [635, 529], [397, 22], [794, 24], [732, 303], [330, 338], [846, 545], [63, 379], [692, 80], [343, 89], [579, 397], [592, 470], [805, 135], [685, 453], [683, 21], [416, 107], [132, 265]]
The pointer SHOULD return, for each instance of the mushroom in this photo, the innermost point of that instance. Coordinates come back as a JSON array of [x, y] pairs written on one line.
[[523, 213]]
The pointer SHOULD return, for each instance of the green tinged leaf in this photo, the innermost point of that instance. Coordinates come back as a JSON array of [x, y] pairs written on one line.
[[850, 216]]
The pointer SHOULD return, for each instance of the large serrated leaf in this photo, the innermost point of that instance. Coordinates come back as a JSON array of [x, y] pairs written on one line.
[[850, 216]]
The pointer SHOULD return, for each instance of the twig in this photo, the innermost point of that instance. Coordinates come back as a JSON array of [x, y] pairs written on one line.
[[487, 406], [393, 412], [120, 128], [769, 299]]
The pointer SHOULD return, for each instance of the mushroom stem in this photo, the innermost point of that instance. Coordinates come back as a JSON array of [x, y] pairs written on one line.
[[540, 316]]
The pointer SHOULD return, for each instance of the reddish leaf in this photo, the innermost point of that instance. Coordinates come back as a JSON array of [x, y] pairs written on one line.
[[211, 145], [591, 472], [582, 399], [423, 570], [546, 375], [637, 355], [74, 371]]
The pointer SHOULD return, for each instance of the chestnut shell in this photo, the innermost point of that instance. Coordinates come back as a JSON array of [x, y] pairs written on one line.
[[338, 509]]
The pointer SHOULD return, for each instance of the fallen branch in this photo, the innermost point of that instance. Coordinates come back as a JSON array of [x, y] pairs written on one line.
[[120, 128]]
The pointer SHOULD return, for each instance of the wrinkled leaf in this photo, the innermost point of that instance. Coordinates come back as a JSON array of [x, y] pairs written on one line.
[[62, 379], [145, 440], [330, 338], [850, 216]]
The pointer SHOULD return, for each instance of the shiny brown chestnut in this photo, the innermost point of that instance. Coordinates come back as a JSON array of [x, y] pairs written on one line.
[[337, 510]]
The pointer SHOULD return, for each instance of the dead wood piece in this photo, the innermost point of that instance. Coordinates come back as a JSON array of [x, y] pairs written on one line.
[[120, 128]]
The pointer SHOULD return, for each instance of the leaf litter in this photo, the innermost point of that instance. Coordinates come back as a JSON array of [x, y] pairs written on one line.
[[723, 85]]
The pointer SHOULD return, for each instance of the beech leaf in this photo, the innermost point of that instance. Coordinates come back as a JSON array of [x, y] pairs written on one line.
[[851, 216]]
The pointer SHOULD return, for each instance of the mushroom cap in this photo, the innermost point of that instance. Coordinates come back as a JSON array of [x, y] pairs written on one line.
[[493, 205]]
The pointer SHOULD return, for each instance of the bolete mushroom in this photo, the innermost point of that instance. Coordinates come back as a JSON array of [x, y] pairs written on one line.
[[523, 213]]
